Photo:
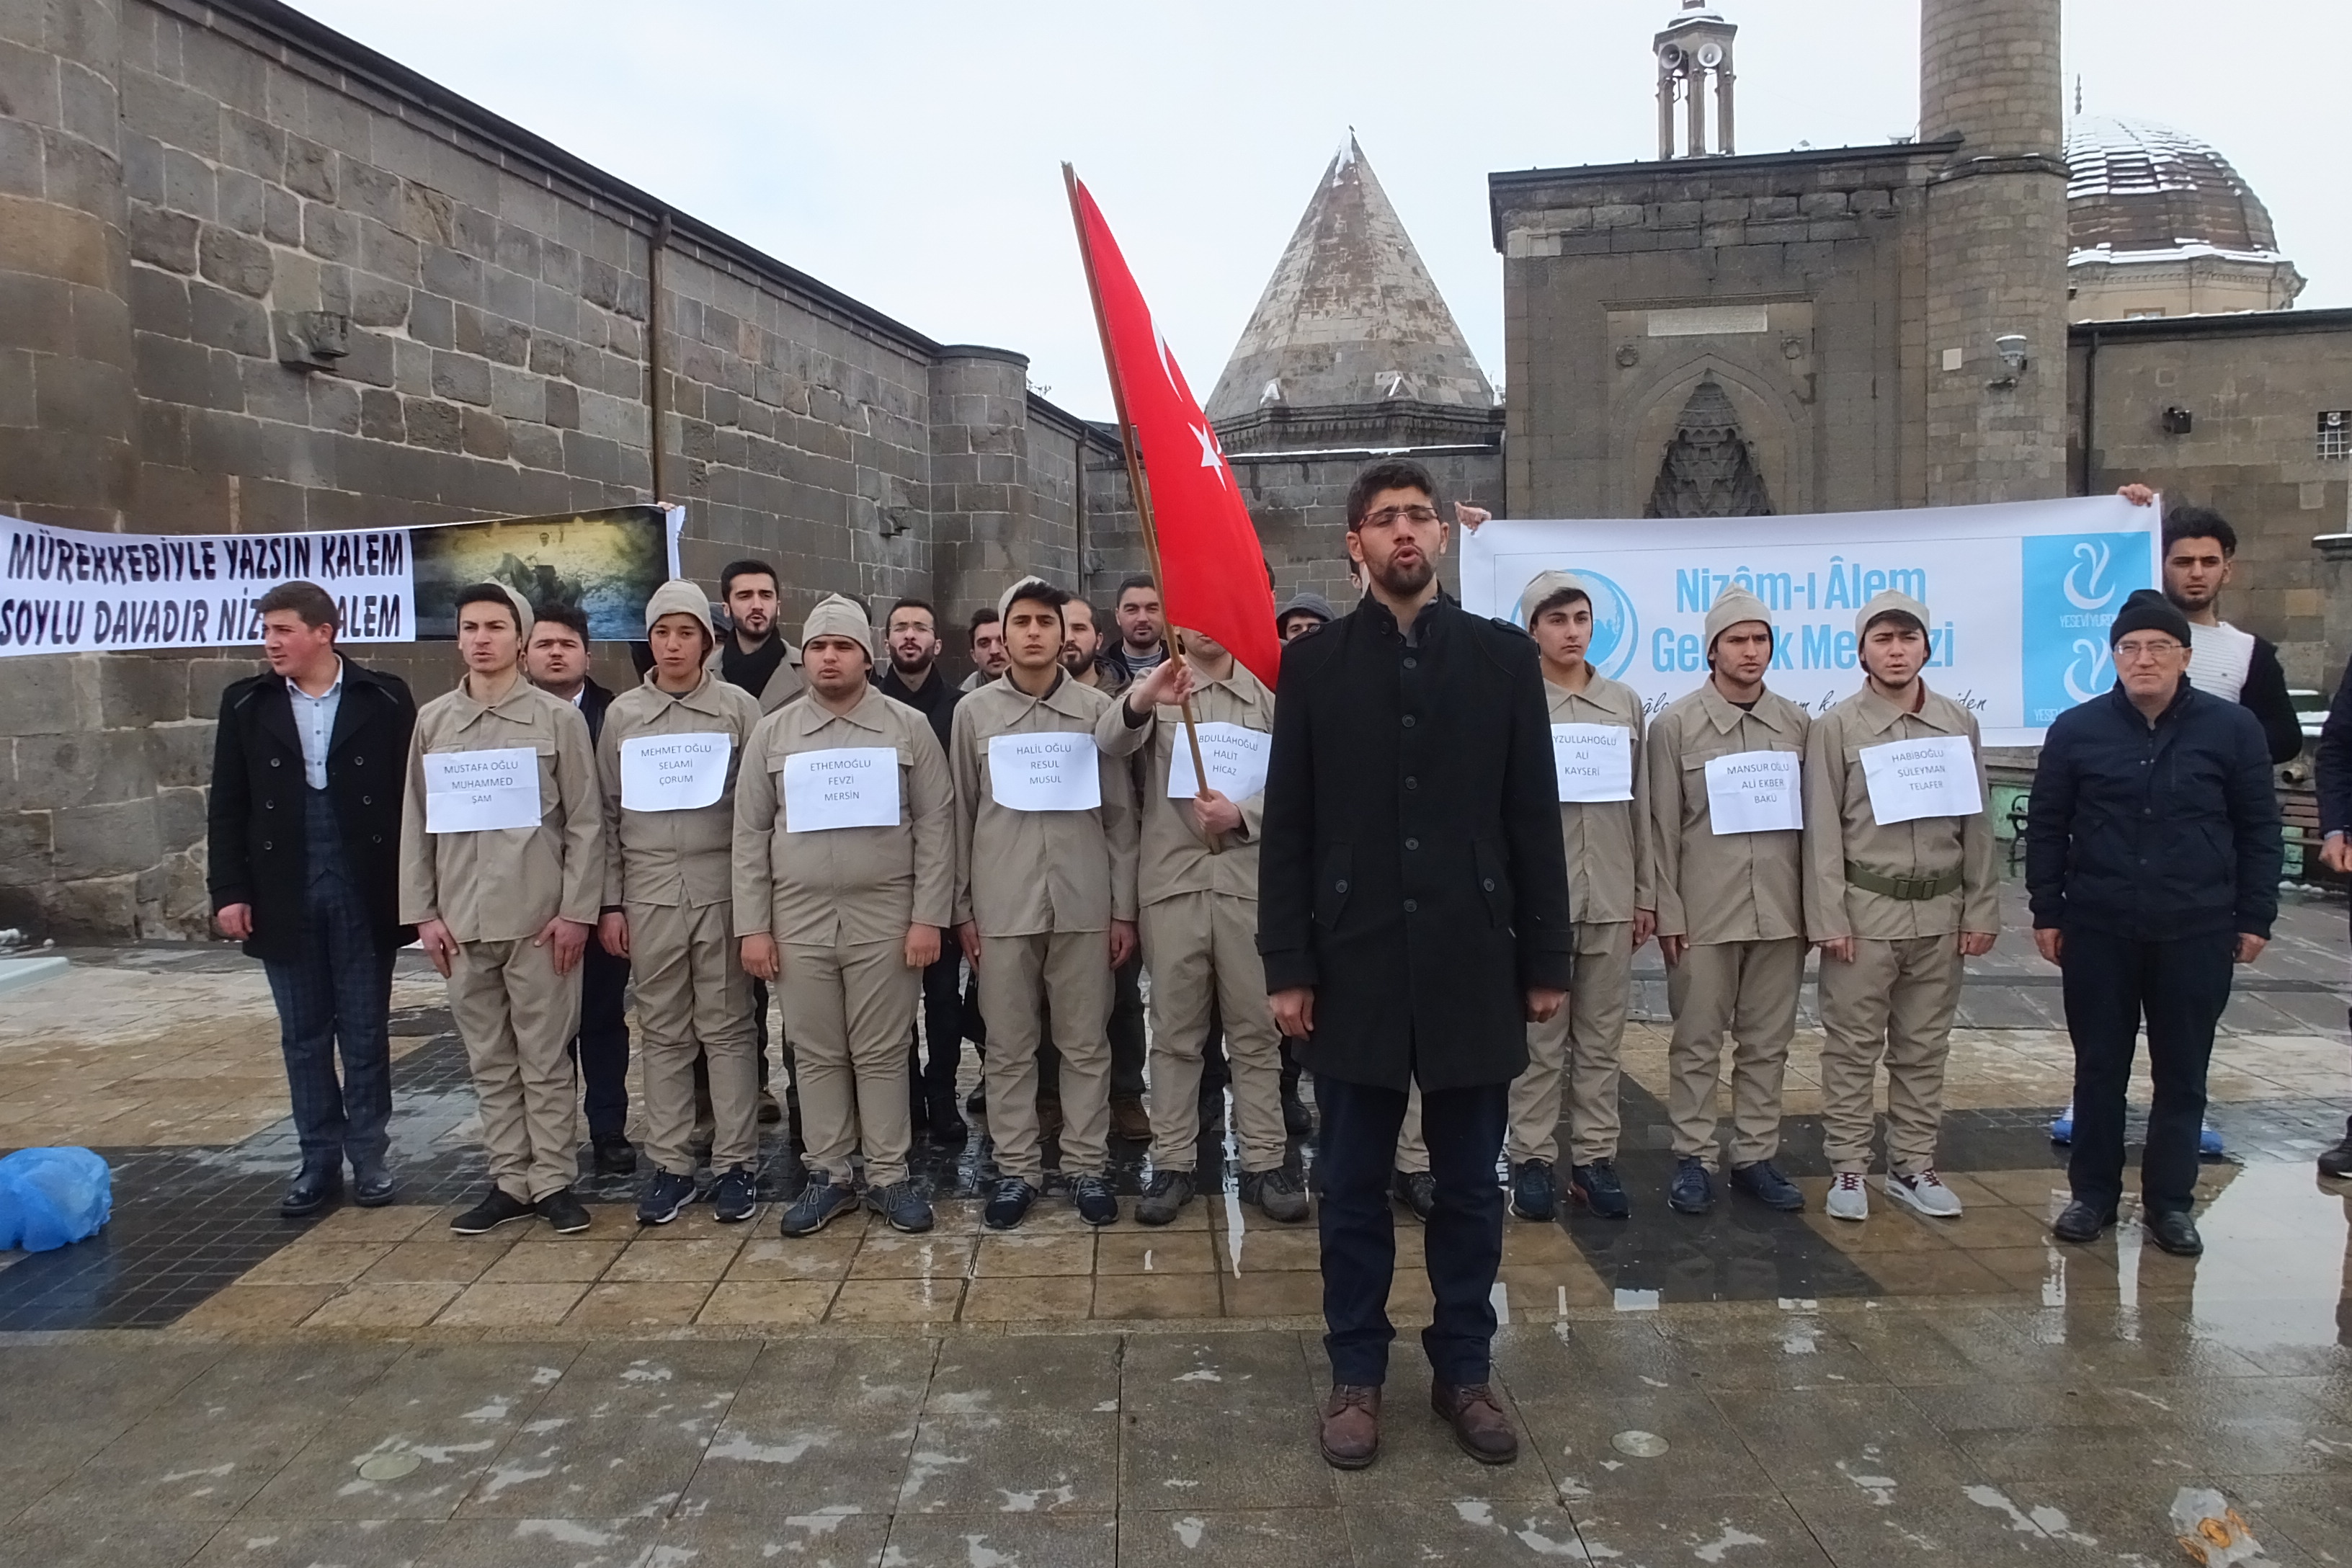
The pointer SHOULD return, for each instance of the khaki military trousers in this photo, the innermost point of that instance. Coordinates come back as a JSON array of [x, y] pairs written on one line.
[[1748, 989], [1412, 1152], [1071, 969], [847, 1009], [694, 999], [1202, 947], [1895, 1000], [1581, 1051], [517, 1015]]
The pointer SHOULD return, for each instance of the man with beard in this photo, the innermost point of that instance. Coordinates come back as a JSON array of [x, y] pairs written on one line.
[[911, 630], [755, 657], [1413, 919], [988, 659], [1141, 646]]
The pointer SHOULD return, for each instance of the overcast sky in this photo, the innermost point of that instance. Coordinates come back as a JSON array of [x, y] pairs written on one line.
[[907, 152]]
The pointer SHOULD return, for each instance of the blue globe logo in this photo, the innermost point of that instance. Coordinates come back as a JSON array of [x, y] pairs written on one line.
[[1616, 629]]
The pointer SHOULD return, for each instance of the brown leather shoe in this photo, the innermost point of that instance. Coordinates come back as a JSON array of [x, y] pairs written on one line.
[[1130, 1121], [1351, 1427], [1480, 1428]]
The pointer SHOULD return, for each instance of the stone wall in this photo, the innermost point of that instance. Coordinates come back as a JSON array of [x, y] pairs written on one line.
[[196, 199], [1299, 502], [2253, 386]]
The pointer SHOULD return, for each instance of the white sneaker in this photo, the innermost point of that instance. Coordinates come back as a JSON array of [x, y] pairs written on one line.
[[1925, 1191], [1847, 1199]]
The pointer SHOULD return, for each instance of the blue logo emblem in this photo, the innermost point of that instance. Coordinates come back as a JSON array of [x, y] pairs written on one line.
[[2074, 585], [1616, 628]]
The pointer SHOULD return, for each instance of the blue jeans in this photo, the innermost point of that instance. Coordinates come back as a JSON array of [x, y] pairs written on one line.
[[1464, 1129], [337, 994]]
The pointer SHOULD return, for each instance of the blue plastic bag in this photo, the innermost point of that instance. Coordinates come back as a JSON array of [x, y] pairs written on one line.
[[53, 1198]]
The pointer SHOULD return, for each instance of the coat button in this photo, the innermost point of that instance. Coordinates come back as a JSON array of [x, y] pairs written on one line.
[[1409, 906], [378, 838], [1488, 883], [1340, 886], [367, 800], [359, 761], [276, 762], [1413, 663], [1412, 843], [1411, 782], [267, 844], [269, 805], [1408, 721]]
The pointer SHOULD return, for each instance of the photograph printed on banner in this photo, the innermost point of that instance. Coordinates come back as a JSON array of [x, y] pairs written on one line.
[[606, 562]]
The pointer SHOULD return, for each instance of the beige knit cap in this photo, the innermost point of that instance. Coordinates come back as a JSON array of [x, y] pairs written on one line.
[[1731, 606], [1889, 603], [1004, 600], [680, 597], [524, 619], [1548, 586], [836, 617]]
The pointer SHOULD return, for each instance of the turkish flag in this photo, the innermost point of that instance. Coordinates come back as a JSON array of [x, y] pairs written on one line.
[[1213, 574]]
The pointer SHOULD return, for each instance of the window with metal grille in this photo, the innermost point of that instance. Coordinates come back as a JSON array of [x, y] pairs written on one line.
[[2335, 434]]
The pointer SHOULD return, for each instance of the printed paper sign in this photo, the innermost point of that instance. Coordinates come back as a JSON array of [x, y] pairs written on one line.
[[1048, 772], [480, 792], [852, 786], [1754, 792], [1594, 761], [1933, 776], [674, 772], [1235, 756]]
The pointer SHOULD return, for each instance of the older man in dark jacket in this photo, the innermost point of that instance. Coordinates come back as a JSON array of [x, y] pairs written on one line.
[[2332, 760], [2152, 857], [1413, 918], [304, 842]]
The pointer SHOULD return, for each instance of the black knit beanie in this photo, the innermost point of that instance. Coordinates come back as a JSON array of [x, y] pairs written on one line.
[[2148, 611]]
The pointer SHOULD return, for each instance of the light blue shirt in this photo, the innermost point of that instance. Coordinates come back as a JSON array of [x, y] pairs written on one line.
[[314, 724]]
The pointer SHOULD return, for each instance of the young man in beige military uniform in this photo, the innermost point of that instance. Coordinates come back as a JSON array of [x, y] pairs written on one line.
[[1726, 816], [1899, 887], [1198, 885], [1597, 747], [1045, 859], [844, 880], [501, 872], [667, 763]]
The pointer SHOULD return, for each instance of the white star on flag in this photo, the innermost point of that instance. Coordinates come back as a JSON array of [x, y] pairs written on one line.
[[1210, 457]]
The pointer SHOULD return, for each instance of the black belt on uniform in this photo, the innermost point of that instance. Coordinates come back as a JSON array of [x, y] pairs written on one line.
[[1909, 888]]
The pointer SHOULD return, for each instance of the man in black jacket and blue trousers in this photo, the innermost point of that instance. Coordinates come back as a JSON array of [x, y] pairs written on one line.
[[2152, 858], [1413, 914], [2332, 770], [304, 841]]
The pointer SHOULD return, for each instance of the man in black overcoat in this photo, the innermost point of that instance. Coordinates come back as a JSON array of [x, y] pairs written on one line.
[[1413, 918], [304, 844]]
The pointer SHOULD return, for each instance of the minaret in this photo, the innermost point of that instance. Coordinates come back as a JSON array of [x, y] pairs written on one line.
[[1694, 57], [1996, 255]]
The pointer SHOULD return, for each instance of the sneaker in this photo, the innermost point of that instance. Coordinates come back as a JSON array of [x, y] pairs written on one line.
[[492, 1212], [1091, 1196], [1848, 1199], [613, 1157], [822, 1201], [2209, 1141], [1596, 1186], [2062, 1129], [1763, 1182], [1694, 1190], [1925, 1191], [1008, 1205], [1164, 1197], [736, 1198], [665, 1198], [1278, 1195], [1417, 1190], [2338, 1162], [563, 1212], [1534, 1194], [903, 1205]]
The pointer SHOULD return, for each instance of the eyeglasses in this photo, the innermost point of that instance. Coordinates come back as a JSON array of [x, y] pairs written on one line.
[[1390, 516], [2129, 649]]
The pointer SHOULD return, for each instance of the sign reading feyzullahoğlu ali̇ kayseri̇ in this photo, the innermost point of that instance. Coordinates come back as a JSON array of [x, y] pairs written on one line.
[[67, 590], [2020, 596]]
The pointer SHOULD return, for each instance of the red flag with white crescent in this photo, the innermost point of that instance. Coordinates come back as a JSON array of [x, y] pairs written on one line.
[[1213, 569]]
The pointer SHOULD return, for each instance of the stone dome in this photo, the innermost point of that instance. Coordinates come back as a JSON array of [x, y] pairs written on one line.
[[2136, 186]]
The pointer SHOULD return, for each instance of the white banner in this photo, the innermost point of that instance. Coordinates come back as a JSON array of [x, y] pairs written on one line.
[[2020, 593]]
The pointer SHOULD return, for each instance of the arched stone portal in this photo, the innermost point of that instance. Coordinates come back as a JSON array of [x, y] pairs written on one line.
[[1708, 470]]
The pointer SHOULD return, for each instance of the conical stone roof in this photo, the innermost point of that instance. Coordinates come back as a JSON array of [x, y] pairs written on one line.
[[1350, 318]]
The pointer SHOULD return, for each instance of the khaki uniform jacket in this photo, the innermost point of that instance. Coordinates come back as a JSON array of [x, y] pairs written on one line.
[[782, 686], [1028, 873], [842, 886], [1840, 826], [506, 884], [1174, 858], [675, 858], [1609, 869], [1739, 887]]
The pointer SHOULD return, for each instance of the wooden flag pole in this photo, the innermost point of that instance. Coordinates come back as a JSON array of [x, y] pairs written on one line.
[[1135, 480]]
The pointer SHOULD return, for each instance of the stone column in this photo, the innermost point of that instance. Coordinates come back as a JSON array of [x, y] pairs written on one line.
[[985, 533], [68, 415], [1996, 244]]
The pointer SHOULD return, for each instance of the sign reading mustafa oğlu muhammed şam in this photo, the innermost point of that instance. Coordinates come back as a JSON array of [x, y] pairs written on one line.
[[2020, 595]]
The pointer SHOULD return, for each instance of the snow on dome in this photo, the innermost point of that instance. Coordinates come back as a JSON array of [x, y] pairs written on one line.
[[2134, 185]]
